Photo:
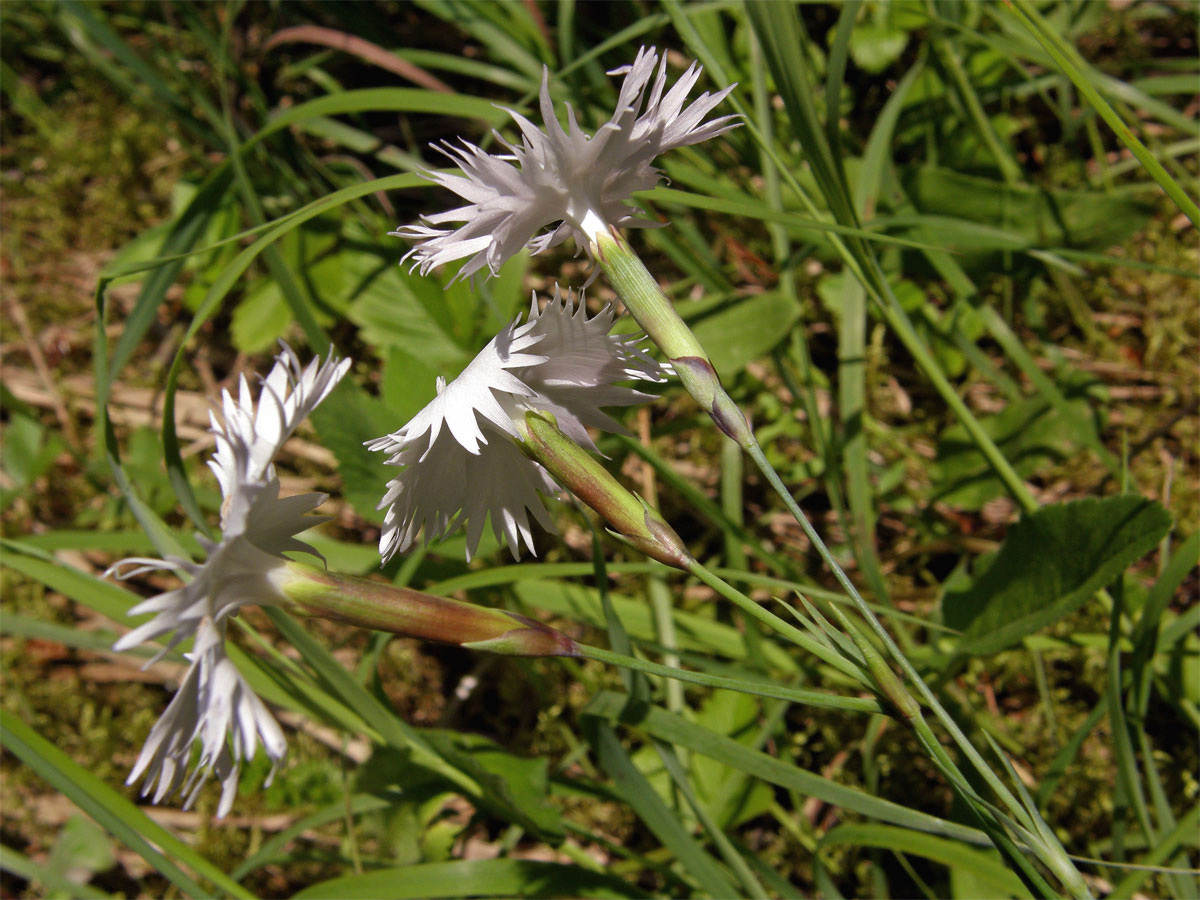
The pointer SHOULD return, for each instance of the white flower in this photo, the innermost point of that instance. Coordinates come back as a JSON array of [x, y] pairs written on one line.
[[242, 568], [215, 706], [577, 182], [461, 462]]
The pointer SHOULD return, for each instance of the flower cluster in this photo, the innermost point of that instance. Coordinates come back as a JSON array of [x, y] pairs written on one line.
[[460, 462], [566, 178], [469, 455], [213, 704]]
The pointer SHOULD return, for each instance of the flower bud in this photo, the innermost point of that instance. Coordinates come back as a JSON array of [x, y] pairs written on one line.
[[700, 379], [574, 468]]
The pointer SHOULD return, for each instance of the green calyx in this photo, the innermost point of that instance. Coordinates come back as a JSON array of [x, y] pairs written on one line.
[[630, 518], [644, 299], [384, 607], [655, 312]]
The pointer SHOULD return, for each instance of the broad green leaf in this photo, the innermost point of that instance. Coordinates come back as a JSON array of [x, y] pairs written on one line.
[[876, 45], [1030, 434], [395, 309], [27, 451], [1041, 218], [740, 797], [516, 788], [81, 849], [474, 878], [1051, 562], [408, 383], [260, 319], [23, 867]]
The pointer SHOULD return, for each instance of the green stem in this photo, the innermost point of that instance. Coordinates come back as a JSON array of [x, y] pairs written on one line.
[[655, 313], [791, 632], [885, 638], [988, 821], [818, 699], [1060, 863]]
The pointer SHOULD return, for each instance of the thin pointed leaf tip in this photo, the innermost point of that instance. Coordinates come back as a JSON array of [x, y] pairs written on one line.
[[214, 705], [566, 180], [460, 455]]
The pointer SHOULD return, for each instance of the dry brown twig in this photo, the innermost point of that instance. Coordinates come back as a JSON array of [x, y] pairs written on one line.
[[363, 49], [53, 394]]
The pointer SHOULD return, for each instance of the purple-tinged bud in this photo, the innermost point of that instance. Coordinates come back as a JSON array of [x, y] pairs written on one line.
[[700, 379], [662, 323]]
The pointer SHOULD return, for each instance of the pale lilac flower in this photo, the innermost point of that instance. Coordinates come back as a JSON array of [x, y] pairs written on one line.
[[461, 463], [576, 182], [213, 704]]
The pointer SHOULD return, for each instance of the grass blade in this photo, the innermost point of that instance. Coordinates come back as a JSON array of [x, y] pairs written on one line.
[[631, 786], [681, 733], [473, 878], [112, 811], [1067, 58]]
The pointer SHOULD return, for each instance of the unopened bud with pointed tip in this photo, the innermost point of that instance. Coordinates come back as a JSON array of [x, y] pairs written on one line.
[[633, 521]]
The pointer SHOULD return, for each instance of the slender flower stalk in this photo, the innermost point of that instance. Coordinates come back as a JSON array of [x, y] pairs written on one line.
[[653, 310], [641, 527], [633, 521], [385, 607]]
